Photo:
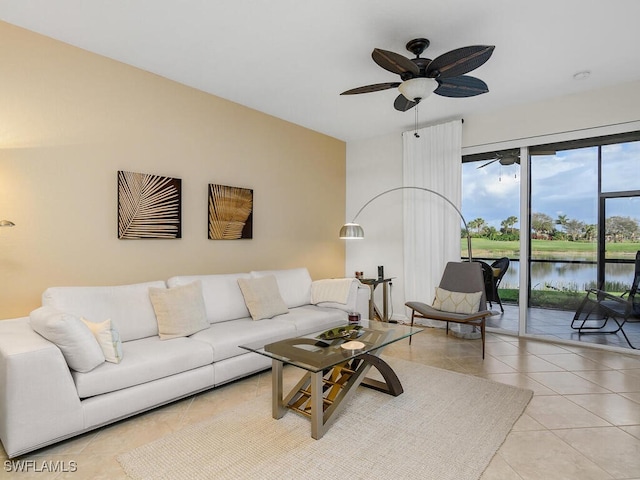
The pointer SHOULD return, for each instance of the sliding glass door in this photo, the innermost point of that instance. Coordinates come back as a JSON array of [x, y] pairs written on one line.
[[585, 227], [564, 214], [584, 216]]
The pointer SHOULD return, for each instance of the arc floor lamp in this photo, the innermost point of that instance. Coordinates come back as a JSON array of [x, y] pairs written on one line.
[[353, 230]]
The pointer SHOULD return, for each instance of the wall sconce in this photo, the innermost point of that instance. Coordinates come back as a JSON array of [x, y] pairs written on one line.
[[7, 223]]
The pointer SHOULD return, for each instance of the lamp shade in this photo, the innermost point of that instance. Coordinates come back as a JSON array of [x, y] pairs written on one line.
[[351, 231], [416, 89]]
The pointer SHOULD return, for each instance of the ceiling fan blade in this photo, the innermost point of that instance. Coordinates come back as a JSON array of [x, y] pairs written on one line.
[[403, 104], [394, 62], [462, 86], [489, 162], [376, 87], [459, 61]]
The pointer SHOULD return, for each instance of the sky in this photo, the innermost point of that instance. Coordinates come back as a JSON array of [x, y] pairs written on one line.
[[561, 184]]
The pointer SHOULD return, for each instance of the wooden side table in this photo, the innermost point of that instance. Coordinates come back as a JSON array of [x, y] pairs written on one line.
[[374, 312]]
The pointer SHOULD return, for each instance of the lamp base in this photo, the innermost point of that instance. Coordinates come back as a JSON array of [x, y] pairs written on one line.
[[472, 335]]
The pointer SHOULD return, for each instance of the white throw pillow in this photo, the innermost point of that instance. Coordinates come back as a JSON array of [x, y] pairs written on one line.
[[108, 338], [262, 297], [179, 311], [456, 302], [78, 345]]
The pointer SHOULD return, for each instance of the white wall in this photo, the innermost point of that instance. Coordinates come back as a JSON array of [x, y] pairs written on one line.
[[375, 164]]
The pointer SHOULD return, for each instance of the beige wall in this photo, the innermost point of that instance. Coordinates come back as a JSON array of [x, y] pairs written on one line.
[[69, 120]]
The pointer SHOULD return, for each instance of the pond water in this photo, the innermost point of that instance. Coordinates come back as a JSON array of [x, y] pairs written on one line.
[[570, 276]]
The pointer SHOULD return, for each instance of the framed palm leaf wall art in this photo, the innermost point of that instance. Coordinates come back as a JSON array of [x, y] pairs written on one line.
[[230, 212], [149, 206]]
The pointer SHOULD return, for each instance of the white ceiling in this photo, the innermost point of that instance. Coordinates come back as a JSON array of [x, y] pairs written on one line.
[[292, 58]]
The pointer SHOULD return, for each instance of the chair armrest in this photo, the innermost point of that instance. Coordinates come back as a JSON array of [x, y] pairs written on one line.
[[362, 300], [602, 295]]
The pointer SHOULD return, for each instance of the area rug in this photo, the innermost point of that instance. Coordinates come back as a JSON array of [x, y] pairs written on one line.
[[445, 425]]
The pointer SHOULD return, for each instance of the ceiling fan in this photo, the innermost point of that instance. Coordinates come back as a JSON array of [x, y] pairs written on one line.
[[508, 157], [445, 75]]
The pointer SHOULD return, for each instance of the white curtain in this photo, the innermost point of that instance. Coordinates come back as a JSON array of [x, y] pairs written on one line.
[[432, 160]]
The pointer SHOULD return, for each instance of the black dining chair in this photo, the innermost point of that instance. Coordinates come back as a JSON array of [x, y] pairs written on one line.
[[499, 268]]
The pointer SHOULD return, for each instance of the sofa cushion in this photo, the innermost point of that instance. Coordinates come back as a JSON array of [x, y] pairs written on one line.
[[226, 337], [310, 318], [223, 299], [294, 285], [128, 306], [143, 361], [262, 297], [78, 345], [107, 337], [179, 310]]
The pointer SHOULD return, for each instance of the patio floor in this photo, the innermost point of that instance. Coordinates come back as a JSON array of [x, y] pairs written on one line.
[[556, 323]]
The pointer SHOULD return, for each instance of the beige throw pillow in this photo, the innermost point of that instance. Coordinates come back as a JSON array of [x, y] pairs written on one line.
[[262, 297], [179, 310], [108, 338], [456, 302]]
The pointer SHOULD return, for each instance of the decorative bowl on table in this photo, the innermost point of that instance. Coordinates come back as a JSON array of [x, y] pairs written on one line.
[[346, 332]]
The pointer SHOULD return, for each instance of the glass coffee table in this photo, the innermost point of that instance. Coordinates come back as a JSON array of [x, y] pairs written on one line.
[[336, 362]]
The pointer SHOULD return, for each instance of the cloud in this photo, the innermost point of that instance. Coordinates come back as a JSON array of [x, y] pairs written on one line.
[[561, 184], [491, 193]]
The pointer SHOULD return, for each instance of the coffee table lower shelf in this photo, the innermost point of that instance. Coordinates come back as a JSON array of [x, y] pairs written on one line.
[[321, 395]]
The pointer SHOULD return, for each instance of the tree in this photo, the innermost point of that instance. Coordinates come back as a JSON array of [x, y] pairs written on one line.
[[478, 224], [508, 223], [590, 232], [574, 229], [621, 228], [541, 224], [562, 220], [491, 233]]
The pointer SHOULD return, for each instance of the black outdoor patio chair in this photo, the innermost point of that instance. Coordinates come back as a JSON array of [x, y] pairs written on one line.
[[599, 307], [492, 275], [499, 268]]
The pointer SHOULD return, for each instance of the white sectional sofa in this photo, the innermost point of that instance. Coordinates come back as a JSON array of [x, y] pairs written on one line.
[[43, 400]]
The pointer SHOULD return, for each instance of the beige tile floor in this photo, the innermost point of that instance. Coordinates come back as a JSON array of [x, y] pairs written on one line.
[[582, 423]]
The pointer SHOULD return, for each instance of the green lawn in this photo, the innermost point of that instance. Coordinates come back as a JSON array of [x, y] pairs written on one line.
[[549, 249], [545, 298]]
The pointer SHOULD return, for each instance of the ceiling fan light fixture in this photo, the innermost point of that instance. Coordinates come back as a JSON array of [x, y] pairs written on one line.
[[416, 89]]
